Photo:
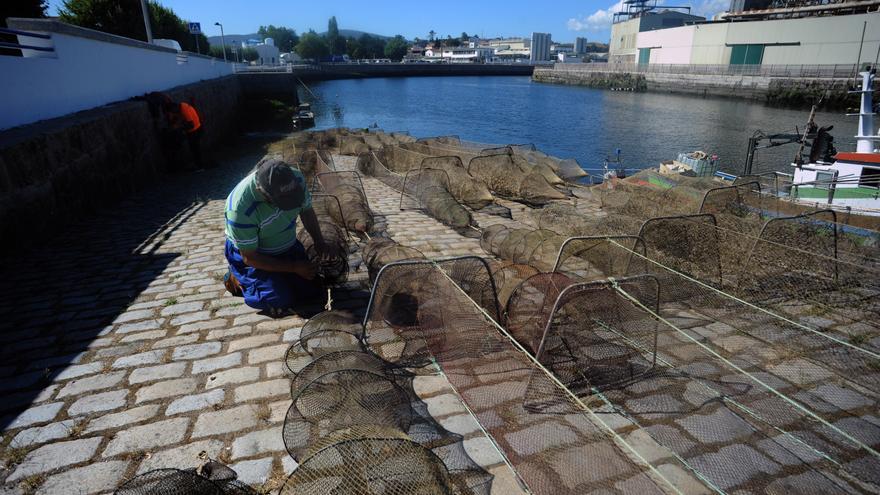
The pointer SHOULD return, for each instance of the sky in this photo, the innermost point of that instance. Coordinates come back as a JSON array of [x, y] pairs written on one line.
[[563, 19]]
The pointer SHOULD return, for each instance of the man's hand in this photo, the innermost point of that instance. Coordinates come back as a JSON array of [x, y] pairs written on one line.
[[327, 251]]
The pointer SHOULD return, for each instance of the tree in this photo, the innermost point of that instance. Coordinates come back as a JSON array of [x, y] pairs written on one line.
[[464, 37], [450, 41], [312, 46], [21, 8], [336, 43], [285, 38], [125, 18], [431, 34], [396, 48]]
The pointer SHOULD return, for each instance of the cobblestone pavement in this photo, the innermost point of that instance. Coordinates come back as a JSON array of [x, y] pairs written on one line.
[[123, 353]]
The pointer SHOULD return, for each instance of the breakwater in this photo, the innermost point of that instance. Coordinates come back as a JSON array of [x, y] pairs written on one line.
[[787, 91]]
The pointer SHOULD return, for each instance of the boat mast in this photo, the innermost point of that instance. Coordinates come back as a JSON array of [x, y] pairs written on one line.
[[866, 137]]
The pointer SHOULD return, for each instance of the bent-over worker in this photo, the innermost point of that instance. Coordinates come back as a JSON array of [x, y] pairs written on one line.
[[267, 263]]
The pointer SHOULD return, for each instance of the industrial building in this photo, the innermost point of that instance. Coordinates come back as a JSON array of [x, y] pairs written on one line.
[[752, 32]]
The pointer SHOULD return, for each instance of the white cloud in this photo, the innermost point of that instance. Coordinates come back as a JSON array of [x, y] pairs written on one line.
[[708, 8], [599, 20]]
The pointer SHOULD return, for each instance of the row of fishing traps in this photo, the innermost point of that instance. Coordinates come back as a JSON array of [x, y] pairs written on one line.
[[584, 309]]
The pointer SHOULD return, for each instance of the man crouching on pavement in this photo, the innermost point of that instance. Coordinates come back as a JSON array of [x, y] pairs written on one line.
[[267, 264]]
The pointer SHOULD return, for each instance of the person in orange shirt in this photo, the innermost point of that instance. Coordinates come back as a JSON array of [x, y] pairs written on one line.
[[184, 117]]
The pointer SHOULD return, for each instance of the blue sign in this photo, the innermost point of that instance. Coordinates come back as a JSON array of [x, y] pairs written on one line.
[[195, 28]]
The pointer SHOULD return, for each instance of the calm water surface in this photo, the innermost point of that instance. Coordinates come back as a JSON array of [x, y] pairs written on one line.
[[567, 121]]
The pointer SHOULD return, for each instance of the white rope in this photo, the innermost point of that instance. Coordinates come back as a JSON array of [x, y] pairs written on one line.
[[574, 398], [753, 306]]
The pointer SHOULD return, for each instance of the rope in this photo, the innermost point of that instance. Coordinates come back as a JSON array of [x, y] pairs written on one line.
[[746, 303], [572, 396], [795, 404]]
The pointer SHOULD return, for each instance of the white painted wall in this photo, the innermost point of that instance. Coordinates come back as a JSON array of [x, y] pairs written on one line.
[[668, 46], [822, 40], [86, 73]]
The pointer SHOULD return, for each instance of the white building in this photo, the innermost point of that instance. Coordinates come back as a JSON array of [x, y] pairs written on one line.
[[511, 48], [268, 53], [460, 53], [795, 41], [540, 47]]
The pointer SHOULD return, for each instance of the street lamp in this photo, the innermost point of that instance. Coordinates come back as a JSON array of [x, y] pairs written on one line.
[[222, 40]]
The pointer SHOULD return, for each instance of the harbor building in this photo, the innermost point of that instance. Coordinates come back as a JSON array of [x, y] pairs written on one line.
[[751, 32], [638, 17], [540, 47], [765, 40], [511, 49]]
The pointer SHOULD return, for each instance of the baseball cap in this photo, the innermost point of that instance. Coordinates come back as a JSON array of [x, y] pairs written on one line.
[[283, 185]]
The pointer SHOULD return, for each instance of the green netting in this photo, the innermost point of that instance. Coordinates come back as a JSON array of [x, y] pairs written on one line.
[[430, 190], [462, 186], [505, 178]]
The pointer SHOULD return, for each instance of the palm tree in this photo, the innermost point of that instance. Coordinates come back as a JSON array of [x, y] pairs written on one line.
[[431, 34]]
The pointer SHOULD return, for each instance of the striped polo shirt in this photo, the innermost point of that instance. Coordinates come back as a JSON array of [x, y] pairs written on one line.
[[254, 224]]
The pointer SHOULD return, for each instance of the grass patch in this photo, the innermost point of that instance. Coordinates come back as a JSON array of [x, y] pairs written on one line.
[[858, 339], [171, 302], [30, 484]]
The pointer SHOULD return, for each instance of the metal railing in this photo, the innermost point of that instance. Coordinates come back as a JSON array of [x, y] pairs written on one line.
[[25, 34], [828, 71]]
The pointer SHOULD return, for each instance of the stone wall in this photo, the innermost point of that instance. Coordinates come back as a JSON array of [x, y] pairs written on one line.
[[775, 90], [57, 170]]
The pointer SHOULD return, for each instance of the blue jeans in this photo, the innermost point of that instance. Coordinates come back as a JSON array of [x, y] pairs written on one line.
[[271, 290]]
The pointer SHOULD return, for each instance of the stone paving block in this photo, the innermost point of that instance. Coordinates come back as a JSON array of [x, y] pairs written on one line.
[[279, 325], [224, 334], [43, 434], [225, 421], [20, 381], [275, 369], [425, 385], [251, 342], [195, 402], [216, 363], [444, 405], [718, 466], [288, 464], [140, 326], [149, 335], [140, 314], [254, 472], [270, 353], [719, 426], [237, 375], [122, 418], [34, 415], [168, 388], [190, 318], [504, 482], [841, 397], [278, 410], [147, 437], [263, 389], [196, 351], [683, 480], [201, 325], [463, 424], [606, 462], [249, 318], [177, 309], [104, 401], [141, 359], [482, 451], [291, 334], [540, 437], [176, 341], [55, 455], [88, 480], [183, 457], [233, 310], [159, 372], [258, 442], [89, 384]]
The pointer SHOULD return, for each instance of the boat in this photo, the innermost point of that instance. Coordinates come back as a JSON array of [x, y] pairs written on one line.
[[304, 117], [846, 180]]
